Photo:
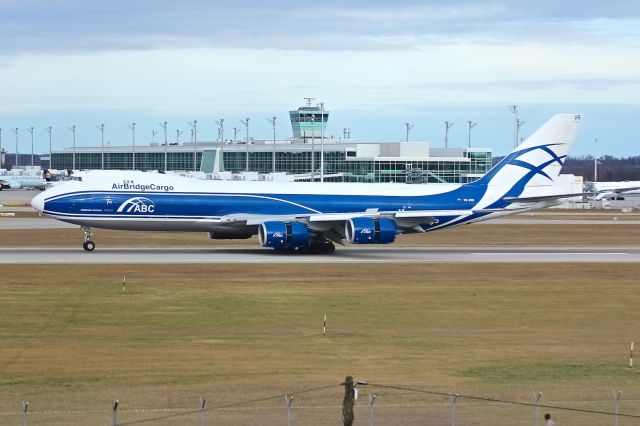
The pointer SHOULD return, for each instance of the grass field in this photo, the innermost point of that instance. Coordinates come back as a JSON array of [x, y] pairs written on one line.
[[71, 339]]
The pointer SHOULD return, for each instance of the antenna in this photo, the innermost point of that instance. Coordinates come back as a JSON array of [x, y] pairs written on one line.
[[309, 101]]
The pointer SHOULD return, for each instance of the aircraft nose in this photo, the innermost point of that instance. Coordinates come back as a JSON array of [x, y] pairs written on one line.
[[38, 202]]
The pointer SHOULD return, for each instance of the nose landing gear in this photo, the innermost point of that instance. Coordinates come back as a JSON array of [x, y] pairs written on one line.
[[88, 245]]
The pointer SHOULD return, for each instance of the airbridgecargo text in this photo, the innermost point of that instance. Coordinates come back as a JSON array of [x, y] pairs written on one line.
[[142, 187]]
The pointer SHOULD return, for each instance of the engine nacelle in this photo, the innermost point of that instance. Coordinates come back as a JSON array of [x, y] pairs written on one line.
[[283, 234], [366, 230]]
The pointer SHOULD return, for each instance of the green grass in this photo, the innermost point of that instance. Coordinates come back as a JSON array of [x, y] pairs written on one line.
[[71, 338]]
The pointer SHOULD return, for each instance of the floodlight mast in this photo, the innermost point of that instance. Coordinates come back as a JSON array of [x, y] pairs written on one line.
[[194, 133], [471, 126], [409, 127], [132, 126], [220, 124], [101, 128], [313, 148], [272, 120], [0, 148], [245, 123], [164, 127], [30, 130], [516, 124], [16, 132], [73, 162], [178, 133], [595, 161], [322, 121], [447, 126], [48, 130]]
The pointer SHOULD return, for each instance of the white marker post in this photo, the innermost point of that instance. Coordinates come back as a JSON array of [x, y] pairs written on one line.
[[631, 356], [124, 283], [324, 325]]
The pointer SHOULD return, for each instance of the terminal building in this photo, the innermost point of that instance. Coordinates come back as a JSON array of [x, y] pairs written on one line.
[[345, 159]]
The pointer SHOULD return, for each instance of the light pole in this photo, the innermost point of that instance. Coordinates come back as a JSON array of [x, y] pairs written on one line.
[[49, 130], [132, 126], [322, 141], [516, 124], [245, 123], [595, 162], [220, 124], [0, 148], [409, 127], [30, 130], [235, 133], [178, 133], [101, 128], [471, 126], [194, 130], [73, 162], [313, 146], [447, 126], [16, 132], [164, 127], [272, 120]]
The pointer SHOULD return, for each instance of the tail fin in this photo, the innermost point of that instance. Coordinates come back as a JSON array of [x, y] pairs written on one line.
[[538, 160]]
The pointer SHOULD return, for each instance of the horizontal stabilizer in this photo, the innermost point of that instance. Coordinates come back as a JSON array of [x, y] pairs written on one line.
[[545, 197]]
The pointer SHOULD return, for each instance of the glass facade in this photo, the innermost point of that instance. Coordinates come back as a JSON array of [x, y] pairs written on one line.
[[182, 160], [341, 162]]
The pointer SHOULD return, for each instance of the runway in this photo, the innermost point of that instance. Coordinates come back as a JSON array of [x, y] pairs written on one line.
[[48, 223], [342, 255]]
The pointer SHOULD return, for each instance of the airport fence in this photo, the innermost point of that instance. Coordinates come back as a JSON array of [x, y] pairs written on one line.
[[376, 404]]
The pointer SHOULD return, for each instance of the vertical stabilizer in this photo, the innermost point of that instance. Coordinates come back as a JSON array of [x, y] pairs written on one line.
[[538, 160]]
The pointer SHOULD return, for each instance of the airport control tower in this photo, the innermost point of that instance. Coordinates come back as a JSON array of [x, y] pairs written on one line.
[[309, 121]]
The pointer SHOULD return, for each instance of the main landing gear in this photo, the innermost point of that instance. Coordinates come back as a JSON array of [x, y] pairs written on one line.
[[322, 247], [88, 245]]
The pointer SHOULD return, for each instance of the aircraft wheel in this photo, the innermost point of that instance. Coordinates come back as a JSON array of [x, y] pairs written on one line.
[[329, 247], [89, 245]]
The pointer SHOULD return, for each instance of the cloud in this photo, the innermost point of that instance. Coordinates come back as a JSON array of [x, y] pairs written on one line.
[[75, 25]]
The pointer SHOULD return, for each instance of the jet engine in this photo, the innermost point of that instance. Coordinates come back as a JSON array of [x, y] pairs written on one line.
[[366, 230], [278, 234]]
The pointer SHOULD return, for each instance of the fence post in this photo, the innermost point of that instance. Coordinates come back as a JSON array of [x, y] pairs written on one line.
[[537, 397], [25, 413], [288, 398], [616, 406], [202, 404], [114, 411], [453, 399], [372, 400]]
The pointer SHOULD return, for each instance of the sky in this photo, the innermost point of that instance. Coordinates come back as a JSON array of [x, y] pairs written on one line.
[[376, 65]]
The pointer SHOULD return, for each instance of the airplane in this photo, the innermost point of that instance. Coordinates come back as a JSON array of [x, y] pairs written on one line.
[[310, 217], [615, 190], [22, 181]]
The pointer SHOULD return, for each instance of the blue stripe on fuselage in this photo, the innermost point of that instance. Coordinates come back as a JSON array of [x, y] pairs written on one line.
[[220, 204]]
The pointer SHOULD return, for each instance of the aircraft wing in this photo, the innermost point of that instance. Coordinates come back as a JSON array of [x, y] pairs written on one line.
[[622, 190], [546, 197], [563, 196], [331, 225]]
